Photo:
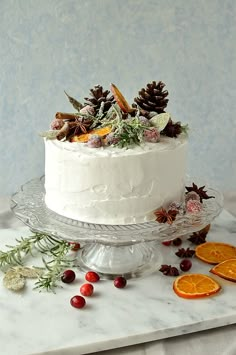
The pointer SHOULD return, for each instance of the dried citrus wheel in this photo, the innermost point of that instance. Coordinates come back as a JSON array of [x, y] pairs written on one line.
[[195, 286], [83, 138], [215, 253], [226, 270]]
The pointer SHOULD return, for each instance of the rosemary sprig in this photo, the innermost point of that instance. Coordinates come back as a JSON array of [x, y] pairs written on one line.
[[129, 130], [185, 129], [56, 250], [15, 255], [54, 267]]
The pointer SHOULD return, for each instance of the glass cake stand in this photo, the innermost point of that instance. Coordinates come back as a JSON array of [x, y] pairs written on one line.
[[111, 250]]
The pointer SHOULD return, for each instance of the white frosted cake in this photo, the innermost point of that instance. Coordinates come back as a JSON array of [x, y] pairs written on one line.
[[93, 179], [112, 185]]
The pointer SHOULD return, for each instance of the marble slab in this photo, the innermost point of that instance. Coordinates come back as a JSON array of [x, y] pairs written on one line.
[[147, 309]]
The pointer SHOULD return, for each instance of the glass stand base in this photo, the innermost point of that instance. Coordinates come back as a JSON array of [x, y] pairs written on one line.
[[130, 261]]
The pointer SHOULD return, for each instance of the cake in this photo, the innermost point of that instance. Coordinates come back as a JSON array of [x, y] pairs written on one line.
[[112, 163]]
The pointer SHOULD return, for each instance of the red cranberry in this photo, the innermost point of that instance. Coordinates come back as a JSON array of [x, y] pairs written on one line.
[[86, 290], [185, 264], [92, 276], [167, 243], [78, 301], [120, 282], [74, 246], [177, 241], [68, 276]]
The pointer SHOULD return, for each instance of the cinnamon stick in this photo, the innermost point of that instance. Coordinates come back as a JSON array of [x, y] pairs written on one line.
[[64, 131], [65, 116]]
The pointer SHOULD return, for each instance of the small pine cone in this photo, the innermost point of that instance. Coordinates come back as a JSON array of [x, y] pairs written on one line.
[[99, 97], [153, 98], [172, 129]]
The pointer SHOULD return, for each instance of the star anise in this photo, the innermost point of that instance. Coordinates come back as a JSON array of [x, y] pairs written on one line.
[[200, 191], [185, 253], [200, 236], [169, 270], [197, 238], [172, 129], [82, 125], [164, 216]]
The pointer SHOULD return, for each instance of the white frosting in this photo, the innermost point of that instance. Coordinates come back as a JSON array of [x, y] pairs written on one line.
[[109, 185]]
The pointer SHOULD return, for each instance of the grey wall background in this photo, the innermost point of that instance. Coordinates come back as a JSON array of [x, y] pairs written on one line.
[[48, 46]]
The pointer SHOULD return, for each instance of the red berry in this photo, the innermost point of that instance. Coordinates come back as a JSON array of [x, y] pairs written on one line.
[[68, 276], [177, 241], [185, 264], [86, 290], [92, 276], [75, 246], [167, 243], [120, 282], [78, 301]]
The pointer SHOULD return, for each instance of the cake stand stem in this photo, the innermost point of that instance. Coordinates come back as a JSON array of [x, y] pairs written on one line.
[[129, 261]]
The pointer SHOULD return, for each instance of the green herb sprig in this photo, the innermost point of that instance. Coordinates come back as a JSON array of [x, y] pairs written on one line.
[[55, 250], [129, 130], [59, 262]]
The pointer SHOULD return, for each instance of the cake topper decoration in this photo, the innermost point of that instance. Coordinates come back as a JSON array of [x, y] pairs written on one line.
[[107, 112]]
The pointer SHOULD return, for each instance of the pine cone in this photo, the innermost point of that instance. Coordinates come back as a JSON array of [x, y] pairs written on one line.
[[172, 129], [98, 96], [153, 98]]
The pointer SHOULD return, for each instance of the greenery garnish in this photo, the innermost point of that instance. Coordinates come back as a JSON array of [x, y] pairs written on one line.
[[54, 249], [60, 261], [76, 104], [129, 131]]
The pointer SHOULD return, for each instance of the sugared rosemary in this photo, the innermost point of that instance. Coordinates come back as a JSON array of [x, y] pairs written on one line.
[[55, 250]]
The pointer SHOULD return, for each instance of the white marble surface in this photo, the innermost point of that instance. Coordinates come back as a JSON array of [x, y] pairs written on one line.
[[147, 310]]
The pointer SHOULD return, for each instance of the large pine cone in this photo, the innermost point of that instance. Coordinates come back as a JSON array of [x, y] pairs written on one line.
[[153, 98], [98, 96]]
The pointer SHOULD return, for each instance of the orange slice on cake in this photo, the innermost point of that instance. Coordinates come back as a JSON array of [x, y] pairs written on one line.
[[83, 138], [195, 286], [226, 270], [214, 252]]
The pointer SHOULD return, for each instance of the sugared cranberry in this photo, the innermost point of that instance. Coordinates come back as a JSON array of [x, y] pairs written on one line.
[[185, 265], [167, 243], [68, 276], [78, 301], [177, 241], [120, 282], [86, 290], [92, 276], [74, 246]]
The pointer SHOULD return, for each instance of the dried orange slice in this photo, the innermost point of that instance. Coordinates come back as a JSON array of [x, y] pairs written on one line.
[[195, 286], [215, 253], [226, 270], [83, 138]]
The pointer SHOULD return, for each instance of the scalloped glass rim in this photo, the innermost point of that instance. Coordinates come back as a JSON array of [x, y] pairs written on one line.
[[29, 206]]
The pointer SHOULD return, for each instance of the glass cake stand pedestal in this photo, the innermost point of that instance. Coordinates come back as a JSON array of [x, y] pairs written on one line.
[[111, 250]]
